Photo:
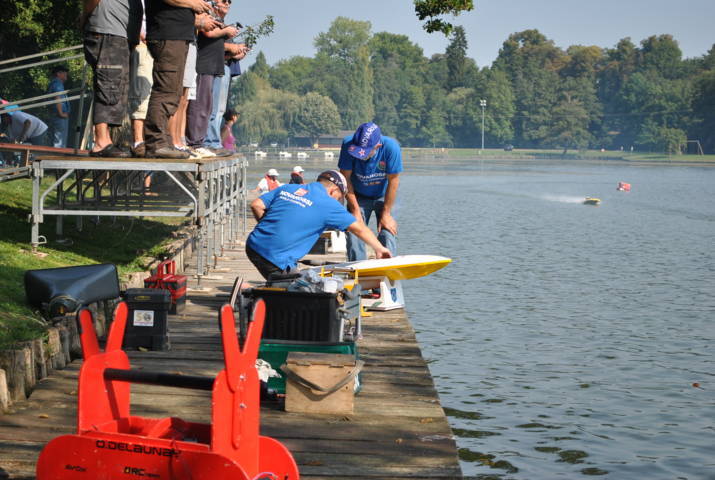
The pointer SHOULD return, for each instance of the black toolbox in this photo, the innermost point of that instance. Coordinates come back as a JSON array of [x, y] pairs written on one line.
[[306, 316], [147, 318]]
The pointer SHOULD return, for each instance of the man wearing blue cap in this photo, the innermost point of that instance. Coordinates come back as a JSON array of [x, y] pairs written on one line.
[[372, 164], [292, 217]]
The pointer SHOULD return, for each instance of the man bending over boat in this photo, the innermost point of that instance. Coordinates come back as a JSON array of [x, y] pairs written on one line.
[[372, 164], [292, 217]]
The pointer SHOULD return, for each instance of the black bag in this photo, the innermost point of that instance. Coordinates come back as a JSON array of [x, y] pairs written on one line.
[[61, 291]]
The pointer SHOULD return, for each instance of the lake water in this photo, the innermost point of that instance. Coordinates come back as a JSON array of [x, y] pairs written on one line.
[[566, 339]]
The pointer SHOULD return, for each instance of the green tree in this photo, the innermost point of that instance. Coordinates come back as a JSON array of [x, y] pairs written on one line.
[[663, 55], [433, 10], [569, 124], [260, 66], [703, 105], [296, 74], [456, 54], [34, 26], [343, 61], [500, 107], [316, 115], [397, 65], [661, 139], [531, 61]]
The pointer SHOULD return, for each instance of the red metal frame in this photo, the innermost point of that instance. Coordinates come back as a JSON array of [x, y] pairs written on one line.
[[112, 443]]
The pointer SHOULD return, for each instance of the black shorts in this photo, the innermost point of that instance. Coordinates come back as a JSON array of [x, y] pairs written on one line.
[[108, 55]]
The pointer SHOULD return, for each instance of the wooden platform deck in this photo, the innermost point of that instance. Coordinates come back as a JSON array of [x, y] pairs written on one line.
[[398, 430]]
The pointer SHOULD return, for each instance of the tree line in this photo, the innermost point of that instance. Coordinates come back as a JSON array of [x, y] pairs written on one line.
[[537, 95]]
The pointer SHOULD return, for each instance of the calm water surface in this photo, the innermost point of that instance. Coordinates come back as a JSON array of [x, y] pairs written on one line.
[[565, 339]]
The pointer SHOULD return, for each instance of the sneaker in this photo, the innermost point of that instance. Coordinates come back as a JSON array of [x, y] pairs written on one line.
[[219, 152], [167, 152], [193, 154], [204, 152]]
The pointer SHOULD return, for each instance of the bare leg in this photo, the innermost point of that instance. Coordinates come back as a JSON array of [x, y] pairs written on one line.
[[101, 136], [177, 122], [138, 129]]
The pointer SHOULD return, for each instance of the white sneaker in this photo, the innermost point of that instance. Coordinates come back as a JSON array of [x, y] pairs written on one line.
[[193, 154], [204, 152]]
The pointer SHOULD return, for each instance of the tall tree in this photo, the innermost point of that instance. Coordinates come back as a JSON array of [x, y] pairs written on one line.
[[316, 115], [397, 65], [500, 107], [343, 61], [296, 74], [663, 55], [456, 54], [531, 61]]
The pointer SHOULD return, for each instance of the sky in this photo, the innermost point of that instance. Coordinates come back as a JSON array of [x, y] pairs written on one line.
[[565, 22]]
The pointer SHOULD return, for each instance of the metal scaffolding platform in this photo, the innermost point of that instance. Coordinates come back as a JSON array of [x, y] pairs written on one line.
[[212, 192]]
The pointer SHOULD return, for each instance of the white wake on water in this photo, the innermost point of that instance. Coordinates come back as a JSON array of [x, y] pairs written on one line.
[[563, 198]]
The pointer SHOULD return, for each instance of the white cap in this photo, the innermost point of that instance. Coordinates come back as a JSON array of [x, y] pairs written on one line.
[[272, 172], [298, 169]]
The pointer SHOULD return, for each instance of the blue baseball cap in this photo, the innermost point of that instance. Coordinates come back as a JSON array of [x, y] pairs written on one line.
[[366, 137]]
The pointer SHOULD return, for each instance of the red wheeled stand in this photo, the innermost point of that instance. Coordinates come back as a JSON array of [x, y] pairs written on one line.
[[111, 443]]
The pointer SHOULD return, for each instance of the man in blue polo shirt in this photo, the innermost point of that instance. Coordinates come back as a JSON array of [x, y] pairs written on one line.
[[292, 217], [372, 164]]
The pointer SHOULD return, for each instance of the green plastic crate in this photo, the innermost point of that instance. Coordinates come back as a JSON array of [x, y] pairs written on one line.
[[276, 354]]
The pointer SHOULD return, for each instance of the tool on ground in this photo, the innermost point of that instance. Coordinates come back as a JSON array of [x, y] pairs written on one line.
[[112, 443]]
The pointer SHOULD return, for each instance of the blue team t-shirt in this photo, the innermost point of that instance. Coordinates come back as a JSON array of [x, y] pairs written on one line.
[[56, 85], [295, 217], [369, 177]]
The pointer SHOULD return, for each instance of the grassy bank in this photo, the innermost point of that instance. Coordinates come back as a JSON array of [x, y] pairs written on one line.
[[129, 243]]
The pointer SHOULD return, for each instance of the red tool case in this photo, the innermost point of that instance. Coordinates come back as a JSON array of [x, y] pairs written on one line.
[[167, 279]]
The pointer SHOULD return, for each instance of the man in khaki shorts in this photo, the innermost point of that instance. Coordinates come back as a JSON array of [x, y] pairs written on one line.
[[140, 80]]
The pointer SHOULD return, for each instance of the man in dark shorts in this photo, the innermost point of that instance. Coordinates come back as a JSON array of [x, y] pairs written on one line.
[[111, 29], [169, 30]]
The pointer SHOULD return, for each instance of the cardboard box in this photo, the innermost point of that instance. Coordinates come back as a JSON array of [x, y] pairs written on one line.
[[320, 382]]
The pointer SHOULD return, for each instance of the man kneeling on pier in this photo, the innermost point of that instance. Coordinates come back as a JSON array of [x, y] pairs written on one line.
[[292, 217]]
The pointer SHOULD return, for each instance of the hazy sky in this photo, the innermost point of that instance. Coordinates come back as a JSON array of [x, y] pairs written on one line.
[[566, 22]]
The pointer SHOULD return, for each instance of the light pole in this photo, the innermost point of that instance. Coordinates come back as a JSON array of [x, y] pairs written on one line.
[[483, 104]]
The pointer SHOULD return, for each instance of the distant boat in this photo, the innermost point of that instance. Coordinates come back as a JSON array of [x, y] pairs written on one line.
[[591, 201]]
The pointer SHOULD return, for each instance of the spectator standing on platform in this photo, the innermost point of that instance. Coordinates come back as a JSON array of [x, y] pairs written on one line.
[[228, 141], [269, 182], [209, 65], [60, 111], [296, 176], [222, 85], [177, 122], [111, 29], [169, 30], [140, 81], [372, 164], [292, 217], [22, 127]]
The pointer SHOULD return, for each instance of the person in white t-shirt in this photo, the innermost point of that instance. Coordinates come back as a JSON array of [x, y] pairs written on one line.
[[22, 127]]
